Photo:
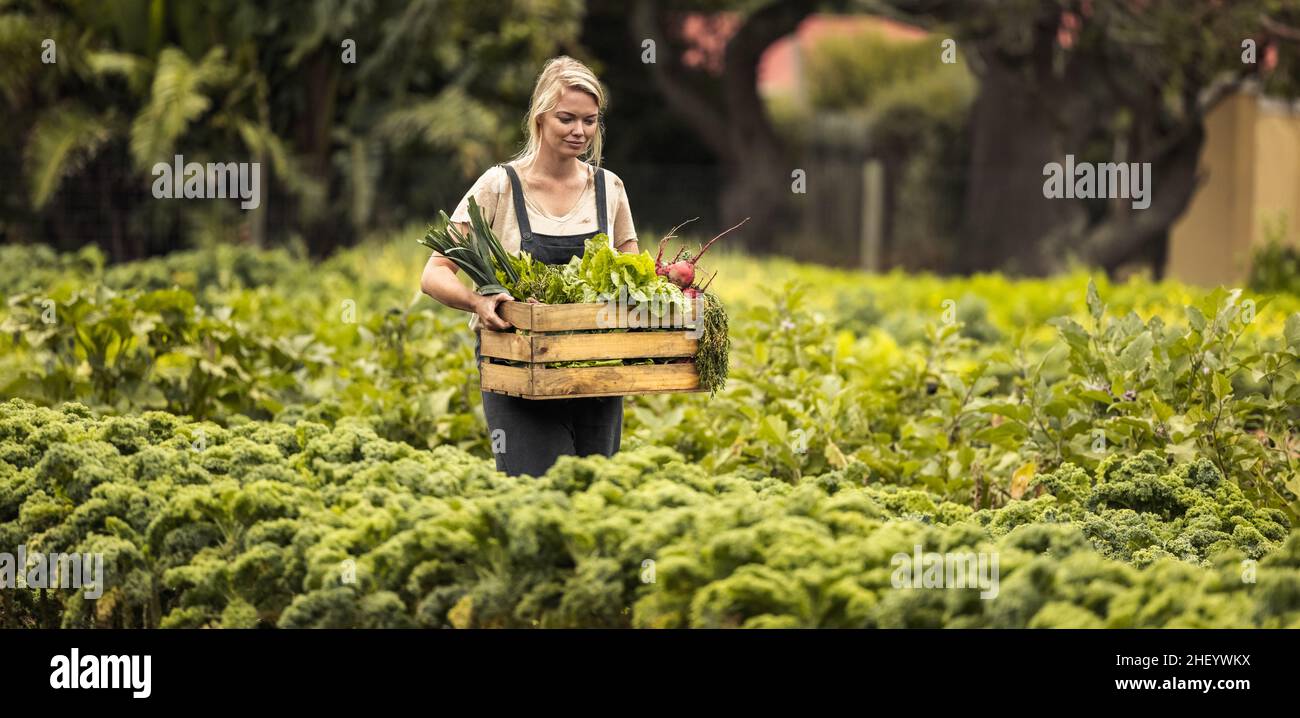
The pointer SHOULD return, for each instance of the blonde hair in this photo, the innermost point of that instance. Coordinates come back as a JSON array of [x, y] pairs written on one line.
[[557, 74]]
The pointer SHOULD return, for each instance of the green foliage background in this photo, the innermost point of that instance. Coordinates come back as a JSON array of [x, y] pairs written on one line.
[[254, 438]]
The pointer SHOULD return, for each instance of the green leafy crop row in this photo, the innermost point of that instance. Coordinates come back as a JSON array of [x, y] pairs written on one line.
[[302, 524], [955, 385], [252, 438]]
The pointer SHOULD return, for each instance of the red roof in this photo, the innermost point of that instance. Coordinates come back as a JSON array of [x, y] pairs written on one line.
[[779, 69], [706, 35]]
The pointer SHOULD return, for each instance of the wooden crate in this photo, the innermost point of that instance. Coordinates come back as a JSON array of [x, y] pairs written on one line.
[[535, 342]]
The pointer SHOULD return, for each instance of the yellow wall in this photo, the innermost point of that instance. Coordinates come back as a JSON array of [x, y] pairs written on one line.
[[1251, 169]]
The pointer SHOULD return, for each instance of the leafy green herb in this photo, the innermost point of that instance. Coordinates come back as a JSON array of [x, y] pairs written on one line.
[[539, 280], [714, 349]]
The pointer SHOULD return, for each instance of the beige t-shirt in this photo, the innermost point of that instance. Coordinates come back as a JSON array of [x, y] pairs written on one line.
[[493, 194]]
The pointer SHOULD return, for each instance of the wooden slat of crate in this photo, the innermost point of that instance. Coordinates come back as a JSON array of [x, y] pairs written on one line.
[[615, 380], [513, 380], [543, 348], [665, 337], [607, 381], [537, 382], [506, 345], [519, 314], [621, 345], [580, 317]]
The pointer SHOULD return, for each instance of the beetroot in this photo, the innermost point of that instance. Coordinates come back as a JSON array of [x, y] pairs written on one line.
[[682, 274], [681, 270]]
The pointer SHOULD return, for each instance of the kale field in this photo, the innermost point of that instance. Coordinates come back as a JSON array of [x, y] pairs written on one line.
[[251, 438]]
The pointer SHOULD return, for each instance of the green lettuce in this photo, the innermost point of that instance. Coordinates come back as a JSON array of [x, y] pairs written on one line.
[[602, 273]]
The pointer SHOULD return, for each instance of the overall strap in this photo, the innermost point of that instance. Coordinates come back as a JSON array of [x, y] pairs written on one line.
[[521, 212], [602, 223]]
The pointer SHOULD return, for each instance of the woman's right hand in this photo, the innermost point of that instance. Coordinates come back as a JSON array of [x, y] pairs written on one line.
[[486, 309], [439, 281]]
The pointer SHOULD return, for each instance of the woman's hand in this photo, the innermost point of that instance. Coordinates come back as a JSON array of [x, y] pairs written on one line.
[[439, 281], [486, 309]]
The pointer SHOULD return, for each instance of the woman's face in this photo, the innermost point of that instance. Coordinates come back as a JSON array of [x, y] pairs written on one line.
[[570, 127]]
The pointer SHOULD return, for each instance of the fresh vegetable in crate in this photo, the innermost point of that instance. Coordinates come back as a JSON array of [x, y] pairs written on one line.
[[479, 254], [681, 270], [600, 274], [603, 274]]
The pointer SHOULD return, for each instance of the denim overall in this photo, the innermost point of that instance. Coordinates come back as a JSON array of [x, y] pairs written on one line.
[[534, 433]]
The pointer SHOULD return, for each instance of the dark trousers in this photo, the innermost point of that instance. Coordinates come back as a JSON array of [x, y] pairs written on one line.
[[528, 435]]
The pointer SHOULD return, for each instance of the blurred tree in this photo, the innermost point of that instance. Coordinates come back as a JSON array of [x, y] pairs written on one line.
[[1104, 80], [117, 100], [881, 96], [727, 113], [438, 94], [432, 98], [666, 166]]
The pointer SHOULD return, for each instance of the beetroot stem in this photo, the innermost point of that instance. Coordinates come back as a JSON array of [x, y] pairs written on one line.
[[705, 248]]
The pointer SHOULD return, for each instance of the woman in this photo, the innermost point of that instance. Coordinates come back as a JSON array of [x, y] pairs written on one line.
[[547, 202]]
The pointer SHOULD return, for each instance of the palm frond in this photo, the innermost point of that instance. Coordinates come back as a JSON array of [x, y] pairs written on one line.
[[61, 142], [450, 121], [363, 172], [133, 68], [422, 22], [176, 99], [20, 55], [262, 141], [326, 20]]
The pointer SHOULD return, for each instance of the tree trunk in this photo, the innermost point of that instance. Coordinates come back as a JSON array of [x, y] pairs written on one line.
[[1143, 235], [757, 170], [1006, 214], [312, 136], [758, 187]]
